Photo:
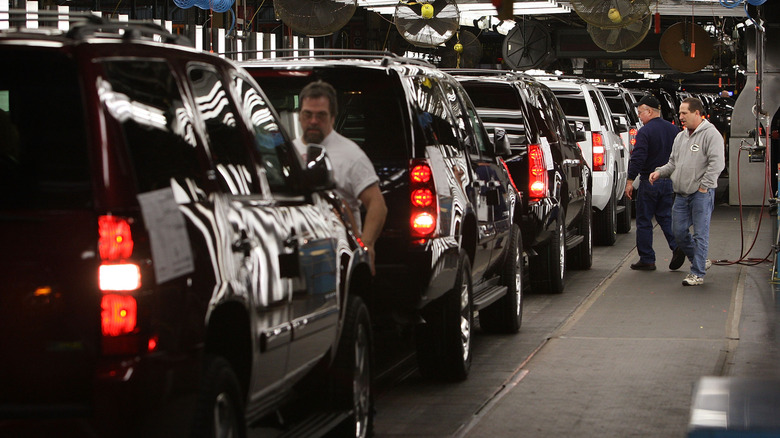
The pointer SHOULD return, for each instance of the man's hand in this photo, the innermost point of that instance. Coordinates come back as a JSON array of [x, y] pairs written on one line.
[[629, 188], [653, 177]]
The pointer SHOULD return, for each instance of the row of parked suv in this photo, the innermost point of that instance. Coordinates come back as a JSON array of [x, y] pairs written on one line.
[[175, 268]]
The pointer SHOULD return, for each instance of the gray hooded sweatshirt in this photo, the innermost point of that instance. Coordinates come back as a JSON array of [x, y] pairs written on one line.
[[697, 159]]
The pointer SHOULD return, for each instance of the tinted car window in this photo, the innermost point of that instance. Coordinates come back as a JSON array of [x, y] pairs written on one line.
[[143, 97], [367, 108], [225, 140], [269, 141], [599, 110], [43, 146], [573, 103], [436, 121]]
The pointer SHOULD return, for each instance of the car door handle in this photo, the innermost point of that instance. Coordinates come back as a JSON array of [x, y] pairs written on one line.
[[571, 162], [244, 244]]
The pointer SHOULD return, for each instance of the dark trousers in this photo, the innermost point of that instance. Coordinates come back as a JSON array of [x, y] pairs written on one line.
[[653, 200]]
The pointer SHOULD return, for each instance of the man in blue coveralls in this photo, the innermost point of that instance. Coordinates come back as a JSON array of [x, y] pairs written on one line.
[[653, 146]]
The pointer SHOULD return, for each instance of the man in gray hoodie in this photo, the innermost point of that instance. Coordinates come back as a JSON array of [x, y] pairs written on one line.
[[694, 165]]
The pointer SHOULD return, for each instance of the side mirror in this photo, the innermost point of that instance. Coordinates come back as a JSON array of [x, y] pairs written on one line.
[[501, 141], [319, 170], [579, 131]]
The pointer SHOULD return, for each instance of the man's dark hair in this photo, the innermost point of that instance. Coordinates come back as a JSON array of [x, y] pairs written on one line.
[[694, 105], [317, 89]]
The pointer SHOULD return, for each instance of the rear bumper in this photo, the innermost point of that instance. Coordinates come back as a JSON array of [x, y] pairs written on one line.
[[130, 398]]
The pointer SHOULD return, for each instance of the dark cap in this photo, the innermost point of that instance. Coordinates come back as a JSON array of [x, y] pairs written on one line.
[[650, 101]]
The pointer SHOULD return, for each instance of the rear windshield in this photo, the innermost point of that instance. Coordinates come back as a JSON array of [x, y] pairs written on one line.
[[572, 104], [43, 146], [370, 111]]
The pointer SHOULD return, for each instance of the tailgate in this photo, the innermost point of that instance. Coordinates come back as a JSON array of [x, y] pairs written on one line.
[[49, 311]]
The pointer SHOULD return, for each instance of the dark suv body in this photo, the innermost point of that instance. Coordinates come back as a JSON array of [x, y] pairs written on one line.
[[170, 266], [451, 206], [547, 167]]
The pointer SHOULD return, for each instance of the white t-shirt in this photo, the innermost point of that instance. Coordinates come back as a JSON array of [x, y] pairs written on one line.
[[352, 170]]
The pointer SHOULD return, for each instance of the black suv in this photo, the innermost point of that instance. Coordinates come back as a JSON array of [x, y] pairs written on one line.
[[547, 167], [170, 267], [451, 244]]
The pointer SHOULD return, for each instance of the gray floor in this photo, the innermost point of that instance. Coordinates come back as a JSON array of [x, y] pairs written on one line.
[[626, 362]]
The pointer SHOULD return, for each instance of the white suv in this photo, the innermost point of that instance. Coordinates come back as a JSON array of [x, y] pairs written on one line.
[[604, 151]]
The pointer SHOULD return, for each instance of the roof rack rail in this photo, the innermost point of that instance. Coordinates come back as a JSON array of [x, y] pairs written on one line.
[[484, 72], [84, 23], [331, 53]]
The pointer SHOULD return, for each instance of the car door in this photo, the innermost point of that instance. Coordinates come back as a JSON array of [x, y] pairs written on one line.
[[571, 157], [612, 138], [307, 228], [258, 233], [490, 173]]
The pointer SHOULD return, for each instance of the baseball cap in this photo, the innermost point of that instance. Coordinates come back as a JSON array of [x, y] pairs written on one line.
[[650, 101]]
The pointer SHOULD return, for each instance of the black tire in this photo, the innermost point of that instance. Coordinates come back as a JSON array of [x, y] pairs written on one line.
[[506, 314], [606, 223], [548, 268], [444, 340], [582, 254], [352, 383], [624, 218], [220, 407]]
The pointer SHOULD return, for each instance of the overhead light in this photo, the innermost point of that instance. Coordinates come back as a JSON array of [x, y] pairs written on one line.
[[506, 26]]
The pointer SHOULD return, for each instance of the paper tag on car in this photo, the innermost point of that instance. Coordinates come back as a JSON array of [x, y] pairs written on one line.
[[170, 243], [548, 158]]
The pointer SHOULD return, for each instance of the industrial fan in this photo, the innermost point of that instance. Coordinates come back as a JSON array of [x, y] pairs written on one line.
[[315, 17], [427, 24], [461, 51], [686, 47], [527, 46], [622, 38], [611, 13]]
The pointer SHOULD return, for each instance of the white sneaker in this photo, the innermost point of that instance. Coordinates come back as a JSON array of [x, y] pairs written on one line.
[[692, 280], [707, 264]]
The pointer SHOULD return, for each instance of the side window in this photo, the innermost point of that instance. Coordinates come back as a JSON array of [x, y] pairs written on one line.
[[603, 119], [436, 123], [144, 99], [559, 121], [481, 140], [226, 142], [269, 141]]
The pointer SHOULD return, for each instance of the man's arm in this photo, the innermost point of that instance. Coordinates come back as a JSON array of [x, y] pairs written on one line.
[[376, 212], [716, 161]]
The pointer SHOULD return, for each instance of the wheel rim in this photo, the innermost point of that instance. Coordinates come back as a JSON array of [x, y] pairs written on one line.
[[224, 417], [518, 280], [361, 383], [465, 320], [561, 251]]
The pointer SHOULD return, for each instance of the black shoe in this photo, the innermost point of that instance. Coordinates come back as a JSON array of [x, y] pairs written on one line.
[[639, 266], [678, 257]]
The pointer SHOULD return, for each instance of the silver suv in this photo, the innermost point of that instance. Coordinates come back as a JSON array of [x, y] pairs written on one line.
[[604, 151]]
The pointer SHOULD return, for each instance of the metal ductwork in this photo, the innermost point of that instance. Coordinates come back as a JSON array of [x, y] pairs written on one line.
[[754, 114]]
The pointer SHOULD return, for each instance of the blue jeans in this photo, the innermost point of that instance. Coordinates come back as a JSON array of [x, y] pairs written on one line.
[[694, 209], [653, 200]]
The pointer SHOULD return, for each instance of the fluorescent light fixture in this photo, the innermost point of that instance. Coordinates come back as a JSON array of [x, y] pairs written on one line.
[[32, 14]]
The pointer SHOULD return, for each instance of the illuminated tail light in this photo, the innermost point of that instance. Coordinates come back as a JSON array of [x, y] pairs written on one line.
[[598, 152], [632, 136], [424, 207], [119, 311], [537, 172], [118, 314]]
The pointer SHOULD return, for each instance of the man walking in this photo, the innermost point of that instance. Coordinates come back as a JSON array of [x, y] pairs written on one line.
[[653, 146], [694, 165], [356, 180]]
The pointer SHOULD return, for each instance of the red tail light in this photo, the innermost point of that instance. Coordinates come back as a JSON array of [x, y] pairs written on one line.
[[632, 136], [424, 208], [118, 314], [598, 152], [537, 172], [115, 241]]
